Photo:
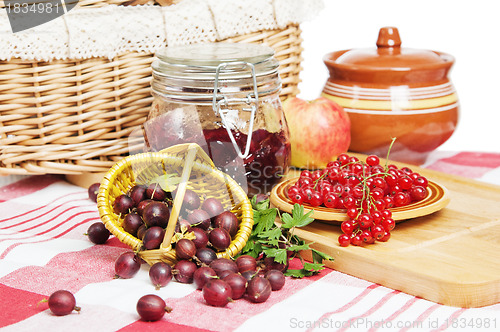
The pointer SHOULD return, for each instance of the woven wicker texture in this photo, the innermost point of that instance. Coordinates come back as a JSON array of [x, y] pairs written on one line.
[[73, 117], [204, 179]]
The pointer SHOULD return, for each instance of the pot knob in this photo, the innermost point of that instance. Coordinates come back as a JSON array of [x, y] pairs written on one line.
[[388, 37]]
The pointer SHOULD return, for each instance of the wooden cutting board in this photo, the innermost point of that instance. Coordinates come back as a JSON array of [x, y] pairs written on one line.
[[450, 257]]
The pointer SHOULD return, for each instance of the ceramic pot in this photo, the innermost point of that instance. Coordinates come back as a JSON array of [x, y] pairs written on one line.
[[394, 92]]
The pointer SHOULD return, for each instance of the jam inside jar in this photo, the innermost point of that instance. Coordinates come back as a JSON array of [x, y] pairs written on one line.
[[225, 98]]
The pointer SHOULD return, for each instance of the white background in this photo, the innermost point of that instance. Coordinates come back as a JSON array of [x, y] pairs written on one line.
[[468, 30]]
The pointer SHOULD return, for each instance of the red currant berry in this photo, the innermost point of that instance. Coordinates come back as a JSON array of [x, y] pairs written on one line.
[[372, 160], [352, 159], [305, 174], [401, 199], [405, 182], [421, 181], [316, 199], [307, 192], [407, 170], [333, 174], [389, 202], [391, 180], [305, 182], [365, 220], [297, 198], [357, 192], [418, 193], [388, 224], [331, 200], [344, 240], [379, 204], [347, 227], [356, 240], [377, 193], [377, 217], [394, 190], [342, 158], [377, 232], [352, 213], [349, 202], [366, 236], [386, 213], [292, 191], [386, 237]]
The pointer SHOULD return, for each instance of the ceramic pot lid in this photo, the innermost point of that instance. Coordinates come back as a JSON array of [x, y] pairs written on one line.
[[389, 63]]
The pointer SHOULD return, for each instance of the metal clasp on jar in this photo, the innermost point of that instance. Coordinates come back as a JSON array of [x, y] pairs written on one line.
[[220, 100]]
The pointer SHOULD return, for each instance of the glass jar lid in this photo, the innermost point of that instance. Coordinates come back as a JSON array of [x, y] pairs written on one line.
[[200, 61]]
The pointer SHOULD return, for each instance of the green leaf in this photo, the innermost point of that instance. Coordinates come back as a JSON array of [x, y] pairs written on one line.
[[297, 219], [298, 273], [265, 220], [287, 221], [319, 257], [301, 247], [263, 205], [300, 218], [168, 182], [313, 267], [278, 254]]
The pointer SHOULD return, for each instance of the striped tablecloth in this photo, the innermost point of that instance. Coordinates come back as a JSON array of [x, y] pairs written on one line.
[[43, 248]]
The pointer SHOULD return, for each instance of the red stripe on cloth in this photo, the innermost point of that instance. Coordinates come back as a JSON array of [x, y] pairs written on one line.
[[468, 164], [37, 210], [423, 315], [448, 321], [162, 325], [204, 316], [71, 271], [27, 186], [17, 305], [370, 311], [10, 248], [405, 307], [348, 305]]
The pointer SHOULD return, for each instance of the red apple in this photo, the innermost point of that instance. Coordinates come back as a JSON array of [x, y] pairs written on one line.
[[320, 130]]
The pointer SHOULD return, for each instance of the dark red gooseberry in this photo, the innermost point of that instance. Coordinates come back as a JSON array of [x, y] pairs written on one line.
[[185, 249], [98, 233], [62, 303], [138, 194], [212, 206], [219, 238], [246, 263], [259, 289], [217, 293], [228, 221], [238, 284], [184, 271], [202, 275], [199, 218], [151, 308], [93, 191], [160, 274], [127, 265], [123, 204], [276, 278], [156, 214], [201, 237], [223, 264], [131, 223], [155, 192], [206, 255], [153, 237]]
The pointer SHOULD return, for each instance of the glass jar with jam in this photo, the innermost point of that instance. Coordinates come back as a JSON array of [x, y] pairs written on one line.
[[225, 98]]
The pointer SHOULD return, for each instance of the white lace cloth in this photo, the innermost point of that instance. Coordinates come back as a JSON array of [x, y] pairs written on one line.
[[112, 30]]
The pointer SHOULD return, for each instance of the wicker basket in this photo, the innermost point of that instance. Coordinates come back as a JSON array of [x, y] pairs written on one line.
[[197, 172], [74, 117]]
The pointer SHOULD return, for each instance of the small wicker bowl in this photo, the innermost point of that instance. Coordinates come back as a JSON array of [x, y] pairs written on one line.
[[198, 174]]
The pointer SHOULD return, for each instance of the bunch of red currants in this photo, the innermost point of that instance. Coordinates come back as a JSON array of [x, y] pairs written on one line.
[[366, 190]]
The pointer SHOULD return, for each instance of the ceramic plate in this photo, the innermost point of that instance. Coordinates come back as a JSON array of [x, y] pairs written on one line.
[[437, 198]]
